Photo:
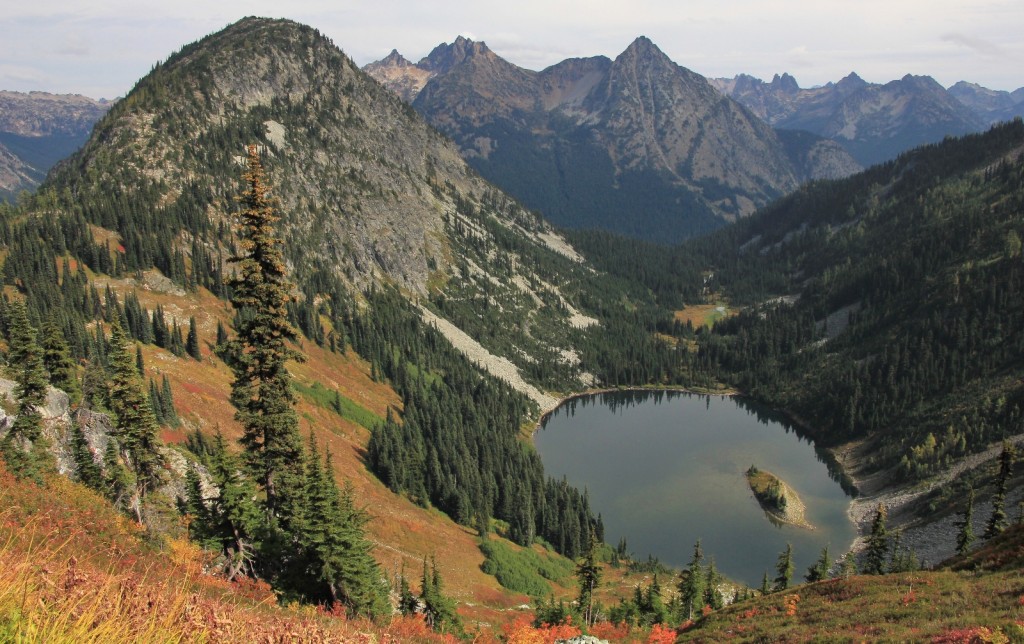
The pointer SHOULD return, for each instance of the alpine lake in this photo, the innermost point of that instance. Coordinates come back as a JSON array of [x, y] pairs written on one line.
[[666, 468]]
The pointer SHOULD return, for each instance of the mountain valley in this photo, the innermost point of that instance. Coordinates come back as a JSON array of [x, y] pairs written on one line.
[[446, 293]]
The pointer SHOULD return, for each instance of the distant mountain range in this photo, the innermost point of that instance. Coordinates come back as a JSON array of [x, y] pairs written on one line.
[[641, 146], [638, 145], [874, 122], [37, 130]]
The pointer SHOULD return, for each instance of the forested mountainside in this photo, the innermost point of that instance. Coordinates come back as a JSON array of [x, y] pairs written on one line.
[[391, 246], [636, 145], [885, 307], [431, 318]]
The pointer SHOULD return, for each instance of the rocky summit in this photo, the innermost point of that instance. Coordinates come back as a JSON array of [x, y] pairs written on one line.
[[638, 144], [872, 122]]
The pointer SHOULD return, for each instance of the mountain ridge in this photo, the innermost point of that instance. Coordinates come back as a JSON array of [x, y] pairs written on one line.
[[636, 144]]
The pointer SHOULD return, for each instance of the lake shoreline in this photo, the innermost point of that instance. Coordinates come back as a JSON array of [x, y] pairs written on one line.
[[636, 444]]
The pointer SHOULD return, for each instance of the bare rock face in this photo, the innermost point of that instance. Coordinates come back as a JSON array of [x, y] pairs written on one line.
[[638, 145], [399, 75], [38, 129], [872, 122]]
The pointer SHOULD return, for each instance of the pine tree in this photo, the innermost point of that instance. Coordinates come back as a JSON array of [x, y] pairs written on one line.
[[765, 586], [136, 426], [588, 578], [192, 340], [89, 472], [59, 364], [712, 594], [878, 544], [261, 391], [784, 568], [999, 521], [438, 609], [24, 447], [167, 410], [691, 584], [232, 520], [848, 566], [408, 604], [819, 571]]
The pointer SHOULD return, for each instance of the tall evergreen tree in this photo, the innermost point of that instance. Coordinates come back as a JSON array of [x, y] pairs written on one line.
[[819, 571], [784, 568], [999, 520], [89, 472], [691, 584], [878, 544], [712, 593], [257, 356], [588, 577], [337, 544], [438, 608], [24, 447], [59, 364], [136, 426], [192, 340], [230, 521]]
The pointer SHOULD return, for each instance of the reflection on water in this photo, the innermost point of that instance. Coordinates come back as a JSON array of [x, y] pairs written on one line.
[[666, 468]]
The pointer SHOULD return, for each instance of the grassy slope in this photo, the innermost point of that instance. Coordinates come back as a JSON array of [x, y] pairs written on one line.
[[403, 532], [976, 599], [72, 569]]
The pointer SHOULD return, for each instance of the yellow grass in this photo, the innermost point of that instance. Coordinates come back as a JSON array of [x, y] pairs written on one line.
[[703, 314]]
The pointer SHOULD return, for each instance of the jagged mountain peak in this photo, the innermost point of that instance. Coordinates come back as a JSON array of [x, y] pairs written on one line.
[[786, 83], [444, 57], [643, 49], [851, 83]]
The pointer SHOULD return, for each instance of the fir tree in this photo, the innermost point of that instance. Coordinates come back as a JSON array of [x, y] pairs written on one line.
[[784, 568], [167, 403], [117, 482], [588, 577], [408, 604], [136, 425], [438, 609], [765, 585], [819, 571], [712, 594], [89, 472], [691, 584], [848, 566], [192, 340], [999, 521], [24, 447], [232, 520], [59, 364], [335, 539], [261, 391], [878, 544]]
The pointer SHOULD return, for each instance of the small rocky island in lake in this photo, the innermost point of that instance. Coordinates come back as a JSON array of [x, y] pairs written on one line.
[[776, 498]]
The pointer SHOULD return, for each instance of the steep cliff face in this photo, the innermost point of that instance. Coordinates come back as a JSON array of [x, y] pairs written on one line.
[[638, 145]]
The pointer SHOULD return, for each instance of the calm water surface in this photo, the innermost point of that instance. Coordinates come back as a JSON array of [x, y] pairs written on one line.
[[666, 468]]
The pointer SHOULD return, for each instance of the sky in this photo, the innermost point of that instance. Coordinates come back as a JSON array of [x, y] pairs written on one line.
[[100, 48]]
